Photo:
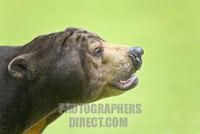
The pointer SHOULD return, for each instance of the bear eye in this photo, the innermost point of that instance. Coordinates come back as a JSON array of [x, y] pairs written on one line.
[[98, 52]]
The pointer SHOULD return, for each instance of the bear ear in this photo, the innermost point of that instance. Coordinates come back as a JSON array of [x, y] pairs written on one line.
[[19, 67]]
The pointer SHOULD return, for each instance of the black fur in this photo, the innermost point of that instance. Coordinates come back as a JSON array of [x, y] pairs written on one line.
[[48, 74]]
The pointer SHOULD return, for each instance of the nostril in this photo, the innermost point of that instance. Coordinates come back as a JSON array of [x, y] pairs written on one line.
[[138, 51], [136, 56]]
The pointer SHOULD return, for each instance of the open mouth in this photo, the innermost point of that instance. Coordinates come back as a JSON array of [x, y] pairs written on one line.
[[125, 85]]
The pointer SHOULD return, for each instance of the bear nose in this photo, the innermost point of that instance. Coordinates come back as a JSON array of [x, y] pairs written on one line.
[[136, 56], [137, 51]]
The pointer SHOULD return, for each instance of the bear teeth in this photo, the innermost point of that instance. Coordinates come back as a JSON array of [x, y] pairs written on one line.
[[123, 82]]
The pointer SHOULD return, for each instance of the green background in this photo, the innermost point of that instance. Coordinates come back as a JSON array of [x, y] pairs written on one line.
[[168, 30]]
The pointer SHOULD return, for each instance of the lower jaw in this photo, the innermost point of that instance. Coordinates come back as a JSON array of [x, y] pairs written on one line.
[[130, 83]]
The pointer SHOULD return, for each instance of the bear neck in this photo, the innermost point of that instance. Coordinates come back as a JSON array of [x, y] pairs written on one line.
[[12, 94], [28, 104]]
